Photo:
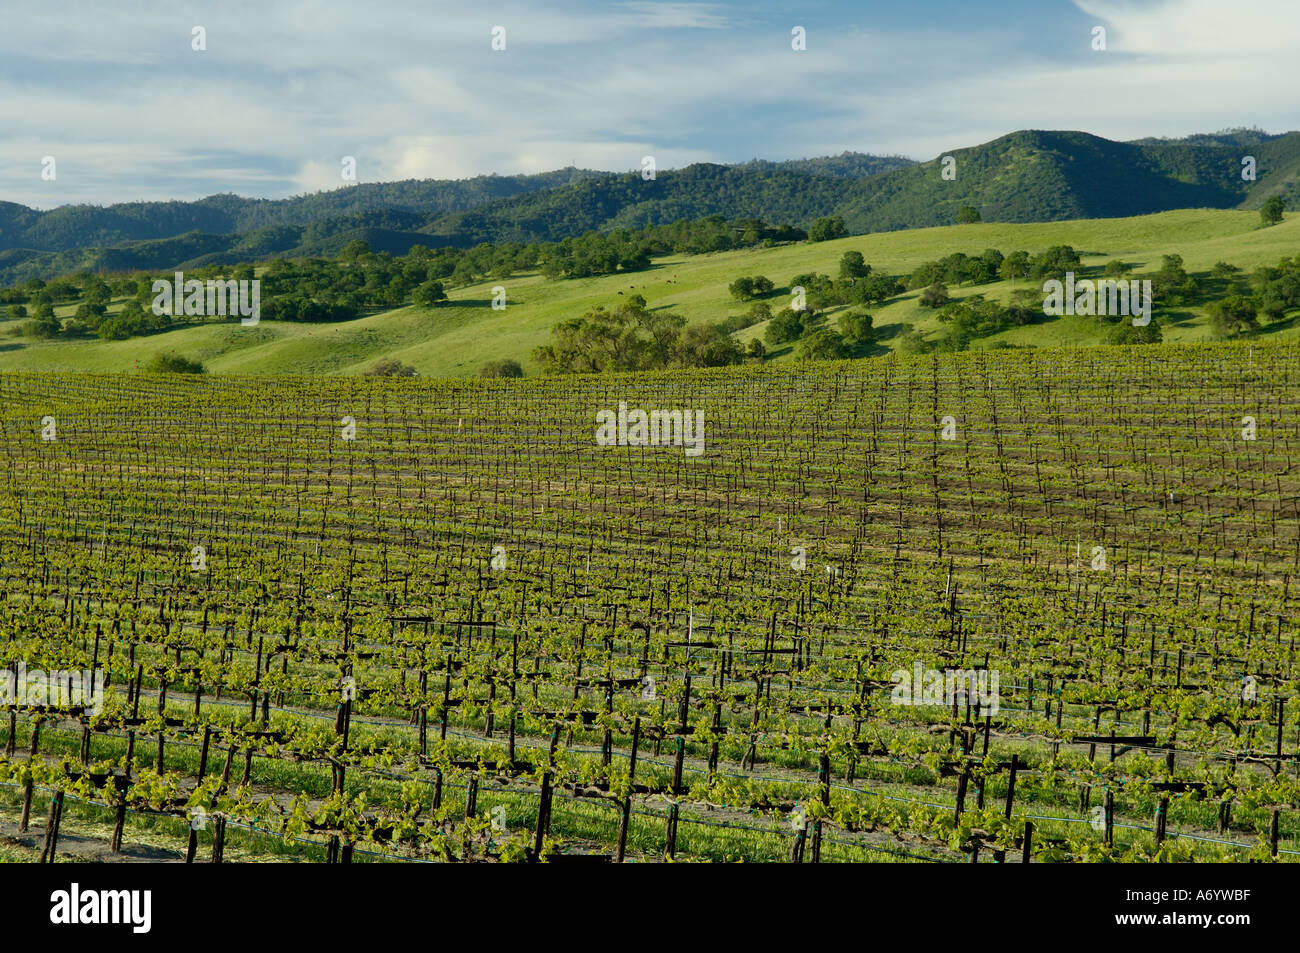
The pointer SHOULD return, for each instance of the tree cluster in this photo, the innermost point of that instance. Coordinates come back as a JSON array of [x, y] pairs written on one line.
[[632, 338]]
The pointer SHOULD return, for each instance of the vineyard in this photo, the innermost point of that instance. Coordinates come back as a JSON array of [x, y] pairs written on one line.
[[377, 620]]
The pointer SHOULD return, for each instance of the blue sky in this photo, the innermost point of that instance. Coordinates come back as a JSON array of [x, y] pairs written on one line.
[[284, 90]]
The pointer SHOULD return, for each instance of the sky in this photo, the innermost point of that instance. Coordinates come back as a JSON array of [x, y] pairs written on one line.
[[129, 110]]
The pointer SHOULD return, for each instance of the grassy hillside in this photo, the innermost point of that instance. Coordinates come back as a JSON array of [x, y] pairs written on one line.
[[454, 340]]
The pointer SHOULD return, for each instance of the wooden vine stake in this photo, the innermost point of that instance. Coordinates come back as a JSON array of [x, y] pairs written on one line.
[[825, 771], [544, 802], [119, 823], [626, 819], [1000, 856], [218, 838], [52, 827]]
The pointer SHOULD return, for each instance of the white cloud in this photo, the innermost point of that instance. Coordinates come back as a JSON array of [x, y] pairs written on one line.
[[1199, 28], [317, 176], [412, 89]]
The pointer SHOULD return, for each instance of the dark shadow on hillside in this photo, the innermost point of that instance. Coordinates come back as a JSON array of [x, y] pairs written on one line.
[[653, 266], [1214, 289], [869, 350], [887, 332], [1276, 326]]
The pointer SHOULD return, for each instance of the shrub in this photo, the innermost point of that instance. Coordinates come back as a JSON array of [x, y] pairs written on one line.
[[1127, 334], [913, 342], [707, 345], [88, 316], [852, 265], [742, 289], [132, 320], [390, 367], [428, 294], [856, 328], [757, 314], [173, 364], [823, 345], [786, 326], [1055, 262], [503, 368], [42, 327], [935, 296], [952, 338], [813, 283], [1232, 316], [827, 229], [1270, 212]]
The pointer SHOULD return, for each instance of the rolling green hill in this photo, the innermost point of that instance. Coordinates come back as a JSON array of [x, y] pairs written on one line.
[[455, 339], [79, 226], [1026, 176], [393, 216]]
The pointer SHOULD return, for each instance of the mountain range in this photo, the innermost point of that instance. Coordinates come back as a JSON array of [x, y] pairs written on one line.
[[1025, 176]]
